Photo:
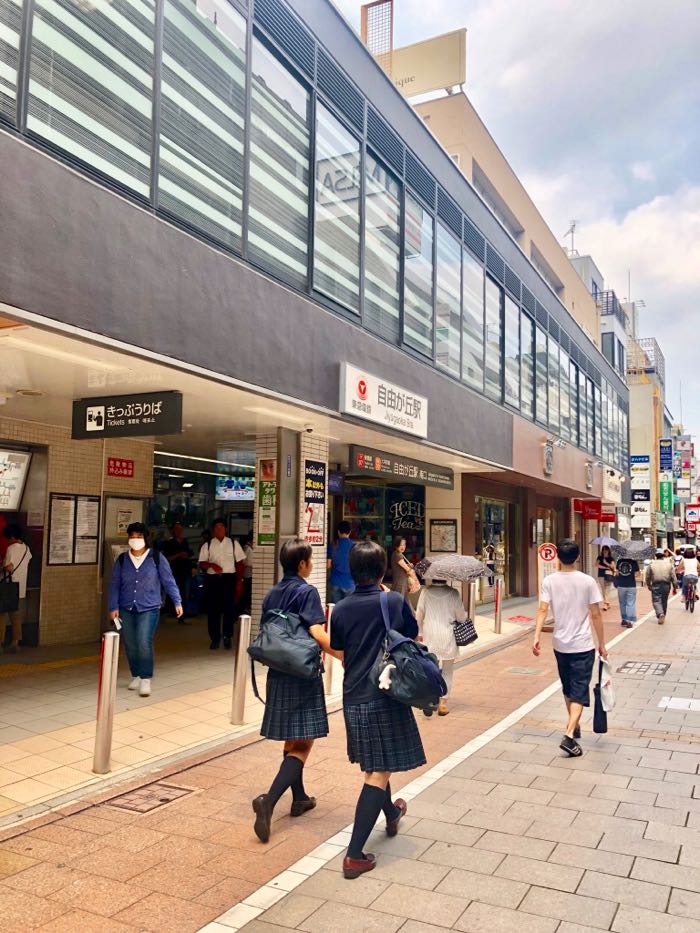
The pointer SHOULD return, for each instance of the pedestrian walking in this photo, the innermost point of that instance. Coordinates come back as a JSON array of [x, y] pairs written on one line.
[[606, 572], [295, 708], [135, 596], [439, 607], [660, 577], [578, 630], [179, 555], [382, 735], [400, 567], [224, 562], [16, 567], [625, 579], [690, 570], [340, 583]]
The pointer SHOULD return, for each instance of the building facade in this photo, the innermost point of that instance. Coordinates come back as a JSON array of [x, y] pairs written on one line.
[[233, 201]]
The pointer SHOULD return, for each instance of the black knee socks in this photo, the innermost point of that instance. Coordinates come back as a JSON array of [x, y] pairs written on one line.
[[288, 774], [369, 805], [297, 788], [390, 811]]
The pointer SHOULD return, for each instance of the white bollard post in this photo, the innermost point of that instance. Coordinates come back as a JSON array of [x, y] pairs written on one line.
[[498, 592], [328, 660], [106, 693], [240, 672]]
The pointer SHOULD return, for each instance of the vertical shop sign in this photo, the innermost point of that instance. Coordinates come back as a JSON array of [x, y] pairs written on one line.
[[665, 497], [267, 502], [315, 501], [665, 454]]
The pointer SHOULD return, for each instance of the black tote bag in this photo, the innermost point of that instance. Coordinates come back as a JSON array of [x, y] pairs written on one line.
[[9, 594], [600, 717]]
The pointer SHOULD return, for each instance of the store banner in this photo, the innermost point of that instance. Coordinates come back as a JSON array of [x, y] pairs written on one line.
[[314, 502], [641, 495], [374, 399], [641, 515], [665, 497], [366, 461], [608, 517], [591, 510], [152, 413], [666, 454], [267, 501]]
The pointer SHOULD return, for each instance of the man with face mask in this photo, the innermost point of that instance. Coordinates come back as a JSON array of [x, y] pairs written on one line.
[[135, 596]]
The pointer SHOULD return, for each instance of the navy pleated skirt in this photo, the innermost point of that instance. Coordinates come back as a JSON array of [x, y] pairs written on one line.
[[383, 736], [294, 708]]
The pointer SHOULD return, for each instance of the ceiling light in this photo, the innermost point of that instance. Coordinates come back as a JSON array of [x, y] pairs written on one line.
[[30, 393], [271, 413], [187, 485]]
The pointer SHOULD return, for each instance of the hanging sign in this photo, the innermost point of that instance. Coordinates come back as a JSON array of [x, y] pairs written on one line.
[[127, 415], [591, 509], [382, 402], [666, 454], [608, 517], [640, 515], [267, 501], [315, 502], [367, 461], [665, 497]]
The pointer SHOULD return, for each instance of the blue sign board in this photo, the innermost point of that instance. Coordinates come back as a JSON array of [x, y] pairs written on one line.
[[666, 454], [640, 458]]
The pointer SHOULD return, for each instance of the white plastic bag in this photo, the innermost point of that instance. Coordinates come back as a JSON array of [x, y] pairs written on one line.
[[607, 691]]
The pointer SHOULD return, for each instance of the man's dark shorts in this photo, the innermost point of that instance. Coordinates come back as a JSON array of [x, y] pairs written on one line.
[[575, 672]]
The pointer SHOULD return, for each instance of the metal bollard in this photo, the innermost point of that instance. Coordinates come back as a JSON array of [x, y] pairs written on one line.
[[498, 595], [106, 693], [328, 660], [240, 672], [471, 599]]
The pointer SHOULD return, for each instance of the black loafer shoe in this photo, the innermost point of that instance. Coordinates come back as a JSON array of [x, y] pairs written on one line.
[[263, 817], [299, 807]]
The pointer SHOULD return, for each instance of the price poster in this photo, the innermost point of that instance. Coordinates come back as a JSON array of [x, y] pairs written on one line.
[[315, 502]]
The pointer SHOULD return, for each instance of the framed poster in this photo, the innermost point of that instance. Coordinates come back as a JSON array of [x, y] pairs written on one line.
[[74, 529], [443, 535]]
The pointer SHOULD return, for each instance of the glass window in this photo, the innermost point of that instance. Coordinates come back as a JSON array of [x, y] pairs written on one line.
[[541, 366], [598, 413], [574, 402], [447, 302], [564, 403], [418, 278], [553, 384], [337, 214], [527, 366], [91, 84], [278, 215], [203, 102], [10, 30], [583, 410], [590, 404], [492, 357], [472, 321], [382, 250], [511, 353]]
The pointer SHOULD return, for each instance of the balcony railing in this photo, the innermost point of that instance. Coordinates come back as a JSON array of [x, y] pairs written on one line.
[[608, 304]]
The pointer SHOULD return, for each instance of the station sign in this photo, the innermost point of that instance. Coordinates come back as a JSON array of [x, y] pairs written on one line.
[[382, 402], [152, 413], [366, 461]]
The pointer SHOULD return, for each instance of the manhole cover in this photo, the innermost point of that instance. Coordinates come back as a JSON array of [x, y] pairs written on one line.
[[532, 671], [641, 668], [149, 798]]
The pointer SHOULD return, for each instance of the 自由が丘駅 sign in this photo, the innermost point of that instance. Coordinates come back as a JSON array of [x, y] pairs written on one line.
[[373, 399], [366, 461], [127, 415]]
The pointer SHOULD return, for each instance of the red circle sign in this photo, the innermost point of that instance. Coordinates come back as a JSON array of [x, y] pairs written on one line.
[[548, 552], [362, 389]]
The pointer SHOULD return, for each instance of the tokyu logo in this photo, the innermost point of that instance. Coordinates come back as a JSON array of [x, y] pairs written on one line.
[[362, 390]]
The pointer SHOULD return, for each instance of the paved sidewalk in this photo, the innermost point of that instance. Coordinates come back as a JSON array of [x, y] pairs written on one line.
[[96, 866], [514, 836]]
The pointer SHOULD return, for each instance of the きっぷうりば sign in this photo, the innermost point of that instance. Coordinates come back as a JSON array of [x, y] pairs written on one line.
[[152, 413]]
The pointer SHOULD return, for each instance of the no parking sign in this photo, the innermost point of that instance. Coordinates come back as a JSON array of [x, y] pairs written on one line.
[[546, 561]]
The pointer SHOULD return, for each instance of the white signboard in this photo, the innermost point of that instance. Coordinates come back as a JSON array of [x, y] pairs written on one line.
[[14, 466], [692, 513], [374, 399], [641, 515]]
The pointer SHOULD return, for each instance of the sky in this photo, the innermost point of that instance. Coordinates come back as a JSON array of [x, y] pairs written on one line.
[[596, 105]]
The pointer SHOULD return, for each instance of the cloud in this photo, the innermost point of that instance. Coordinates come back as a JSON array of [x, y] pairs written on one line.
[[643, 171]]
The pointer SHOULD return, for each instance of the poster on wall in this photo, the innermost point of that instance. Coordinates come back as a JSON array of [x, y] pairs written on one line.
[[267, 502], [74, 529], [124, 518], [315, 502], [87, 529], [14, 468], [443, 535]]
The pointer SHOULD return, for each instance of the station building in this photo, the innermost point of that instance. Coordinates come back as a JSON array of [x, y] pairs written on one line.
[[228, 211]]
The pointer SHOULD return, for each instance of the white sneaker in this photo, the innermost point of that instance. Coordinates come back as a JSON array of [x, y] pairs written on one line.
[[145, 688], [134, 685]]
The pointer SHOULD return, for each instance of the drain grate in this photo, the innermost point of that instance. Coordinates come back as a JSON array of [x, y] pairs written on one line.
[[532, 671], [149, 798], [641, 668]]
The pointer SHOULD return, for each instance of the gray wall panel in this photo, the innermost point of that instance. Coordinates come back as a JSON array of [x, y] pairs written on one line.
[[77, 253]]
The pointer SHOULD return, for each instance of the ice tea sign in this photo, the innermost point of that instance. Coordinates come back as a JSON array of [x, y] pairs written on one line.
[[315, 501], [382, 402], [127, 415]]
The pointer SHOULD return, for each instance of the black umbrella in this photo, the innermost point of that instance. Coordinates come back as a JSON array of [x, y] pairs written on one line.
[[634, 550]]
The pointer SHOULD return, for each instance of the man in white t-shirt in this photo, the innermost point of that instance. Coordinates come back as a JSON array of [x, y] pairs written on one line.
[[224, 561], [575, 600], [16, 565]]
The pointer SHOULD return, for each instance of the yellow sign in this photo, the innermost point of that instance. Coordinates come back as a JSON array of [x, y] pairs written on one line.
[[430, 65]]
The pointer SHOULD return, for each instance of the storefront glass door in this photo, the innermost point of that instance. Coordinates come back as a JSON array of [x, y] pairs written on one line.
[[492, 518]]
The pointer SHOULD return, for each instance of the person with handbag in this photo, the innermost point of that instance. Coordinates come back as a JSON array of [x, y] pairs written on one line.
[[295, 708], [382, 735], [15, 568], [606, 572], [139, 577], [439, 607]]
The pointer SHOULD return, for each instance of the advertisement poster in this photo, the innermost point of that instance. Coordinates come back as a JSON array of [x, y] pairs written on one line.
[[124, 518], [267, 502], [315, 502], [443, 535], [61, 529]]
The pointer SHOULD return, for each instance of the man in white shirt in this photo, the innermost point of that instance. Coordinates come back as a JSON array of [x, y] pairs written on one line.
[[224, 562], [578, 628], [16, 565]]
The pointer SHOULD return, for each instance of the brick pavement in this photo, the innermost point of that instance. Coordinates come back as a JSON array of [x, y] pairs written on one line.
[[94, 866], [517, 837]]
